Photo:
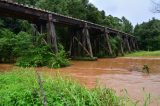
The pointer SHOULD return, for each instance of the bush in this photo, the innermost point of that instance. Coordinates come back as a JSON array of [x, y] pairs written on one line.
[[58, 60], [20, 87], [20, 48], [35, 57], [7, 44], [115, 43], [41, 56]]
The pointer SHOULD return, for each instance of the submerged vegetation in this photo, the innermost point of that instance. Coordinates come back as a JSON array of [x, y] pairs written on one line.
[[21, 87], [146, 69]]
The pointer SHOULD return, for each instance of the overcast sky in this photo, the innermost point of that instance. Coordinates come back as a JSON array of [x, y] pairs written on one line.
[[137, 11]]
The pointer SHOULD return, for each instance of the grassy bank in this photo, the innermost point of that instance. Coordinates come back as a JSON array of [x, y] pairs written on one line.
[[21, 87], [143, 53]]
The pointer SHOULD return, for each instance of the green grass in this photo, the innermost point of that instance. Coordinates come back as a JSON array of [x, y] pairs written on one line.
[[20, 88], [143, 53]]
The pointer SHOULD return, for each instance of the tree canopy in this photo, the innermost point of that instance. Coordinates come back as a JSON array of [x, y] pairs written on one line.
[[82, 9], [148, 34]]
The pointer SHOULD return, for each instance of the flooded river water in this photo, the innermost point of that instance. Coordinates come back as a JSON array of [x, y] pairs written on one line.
[[117, 73]]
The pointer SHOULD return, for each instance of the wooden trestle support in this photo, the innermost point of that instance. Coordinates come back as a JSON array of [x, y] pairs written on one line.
[[81, 43], [51, 38], [106, 34]]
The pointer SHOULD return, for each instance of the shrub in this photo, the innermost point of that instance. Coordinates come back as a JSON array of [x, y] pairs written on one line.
[[35, 57], [20, 48], [58, 60], [41, 56], [7, 44]]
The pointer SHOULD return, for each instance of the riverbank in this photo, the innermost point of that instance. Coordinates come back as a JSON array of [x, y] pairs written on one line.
[[25, 87], [144, 54]]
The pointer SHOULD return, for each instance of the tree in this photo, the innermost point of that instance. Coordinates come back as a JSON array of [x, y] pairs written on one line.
[[29, 2], [148, 34], [113, 22], [127, 26], [77, 8], [93, 14], [58, 6]]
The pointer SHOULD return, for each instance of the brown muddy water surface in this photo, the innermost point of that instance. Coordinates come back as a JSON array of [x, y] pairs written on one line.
[[117, 73]]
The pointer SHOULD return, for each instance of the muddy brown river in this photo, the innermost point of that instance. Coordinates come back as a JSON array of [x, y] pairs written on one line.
[[117, 73]]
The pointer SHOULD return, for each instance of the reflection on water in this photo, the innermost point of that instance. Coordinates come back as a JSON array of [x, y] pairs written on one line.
[[116, 73]]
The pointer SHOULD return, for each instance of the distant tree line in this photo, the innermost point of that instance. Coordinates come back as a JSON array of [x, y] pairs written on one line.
[[148, 34]]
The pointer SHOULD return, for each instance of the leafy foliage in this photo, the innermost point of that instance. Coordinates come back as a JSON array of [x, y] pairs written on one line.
[[115, 44], [20, 48], [148, 34], [58, 60], [127, 26], [82, 9], [42, 56], [20, 87], [7, 44], [35, 57]]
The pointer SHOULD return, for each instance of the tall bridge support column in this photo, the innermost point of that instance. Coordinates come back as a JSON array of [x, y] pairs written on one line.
[[136, 44], [34, 33], [108, 43], [124, 44], [80, 42], [121, 45], [84, 42], [127, 43], [86, 34], [51, 36], [71, 42], [130, 44], [134, 41], [75, 42], [133, 44]]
